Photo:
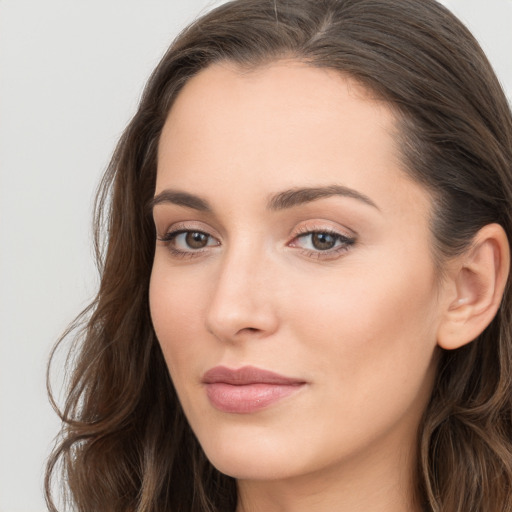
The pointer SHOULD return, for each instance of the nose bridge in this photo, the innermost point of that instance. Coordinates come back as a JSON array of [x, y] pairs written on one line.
[[241, 301]]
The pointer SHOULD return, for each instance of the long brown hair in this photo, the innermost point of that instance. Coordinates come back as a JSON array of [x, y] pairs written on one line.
[[125, 444]]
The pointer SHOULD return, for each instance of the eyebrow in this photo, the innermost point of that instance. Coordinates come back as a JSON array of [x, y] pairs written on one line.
[[296, 196], [181, 199], [280, 201]]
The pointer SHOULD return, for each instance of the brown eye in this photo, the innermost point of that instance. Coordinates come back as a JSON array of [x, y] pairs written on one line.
[[323, 241], [323, 244], [196, 239], [188, 241]]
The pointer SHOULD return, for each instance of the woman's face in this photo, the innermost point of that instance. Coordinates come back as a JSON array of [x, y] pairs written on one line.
[[293, 290]]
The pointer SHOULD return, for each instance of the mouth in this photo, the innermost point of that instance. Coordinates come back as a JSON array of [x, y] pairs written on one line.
[[248, 389]]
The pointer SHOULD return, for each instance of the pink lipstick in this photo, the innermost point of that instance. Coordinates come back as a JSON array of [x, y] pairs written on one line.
[[248, 389]]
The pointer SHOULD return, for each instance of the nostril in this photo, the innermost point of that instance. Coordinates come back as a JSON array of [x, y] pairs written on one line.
[[249, 329]]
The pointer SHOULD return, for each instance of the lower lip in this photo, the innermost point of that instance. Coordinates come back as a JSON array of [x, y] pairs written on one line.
[[248, 398]]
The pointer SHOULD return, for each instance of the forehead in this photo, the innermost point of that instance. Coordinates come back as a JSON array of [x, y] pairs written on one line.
[[280, 125], [273, 104]]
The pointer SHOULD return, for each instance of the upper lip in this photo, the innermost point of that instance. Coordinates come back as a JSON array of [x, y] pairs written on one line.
[[247, 375]]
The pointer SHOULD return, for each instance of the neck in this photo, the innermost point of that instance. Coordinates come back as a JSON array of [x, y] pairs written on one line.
[[383, 484]]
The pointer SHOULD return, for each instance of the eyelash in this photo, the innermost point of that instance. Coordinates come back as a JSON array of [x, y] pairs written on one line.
[[345, 243], [169, 237]]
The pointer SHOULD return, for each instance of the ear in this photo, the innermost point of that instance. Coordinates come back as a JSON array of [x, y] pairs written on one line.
[[476, 284]]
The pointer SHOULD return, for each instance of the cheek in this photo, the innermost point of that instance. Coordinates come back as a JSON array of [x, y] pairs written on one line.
[[175, 306], [374, 330]]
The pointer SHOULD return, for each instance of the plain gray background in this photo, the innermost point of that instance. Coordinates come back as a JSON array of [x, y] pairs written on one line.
[[71, 73]]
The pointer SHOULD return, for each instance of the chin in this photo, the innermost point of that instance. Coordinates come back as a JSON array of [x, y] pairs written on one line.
[[251, 467], [264, 454], [250, 457]]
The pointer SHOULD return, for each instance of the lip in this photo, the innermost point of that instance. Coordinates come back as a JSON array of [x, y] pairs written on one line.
[[248, 389]]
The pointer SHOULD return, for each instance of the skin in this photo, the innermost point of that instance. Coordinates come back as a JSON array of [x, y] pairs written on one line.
[[358, 326]]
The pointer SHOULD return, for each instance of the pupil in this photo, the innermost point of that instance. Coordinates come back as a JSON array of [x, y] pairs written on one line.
[[323, 241], [196, 240]]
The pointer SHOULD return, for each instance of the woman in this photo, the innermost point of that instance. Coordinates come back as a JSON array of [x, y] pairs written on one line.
[[304, 301]]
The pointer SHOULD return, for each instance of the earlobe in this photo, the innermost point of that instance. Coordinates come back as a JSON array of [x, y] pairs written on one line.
[[479, 277]]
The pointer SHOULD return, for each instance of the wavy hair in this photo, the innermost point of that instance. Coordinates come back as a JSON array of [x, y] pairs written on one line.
[[125, 445]]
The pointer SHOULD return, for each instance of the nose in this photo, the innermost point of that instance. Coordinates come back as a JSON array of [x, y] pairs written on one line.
[[242, 305]]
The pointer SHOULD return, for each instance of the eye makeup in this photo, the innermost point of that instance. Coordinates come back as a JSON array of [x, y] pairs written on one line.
[[315, 242], [321, 243], [187, 243]]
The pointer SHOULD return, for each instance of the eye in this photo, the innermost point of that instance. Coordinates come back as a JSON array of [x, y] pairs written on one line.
[[322, 243], [191, 240], [188, 242]]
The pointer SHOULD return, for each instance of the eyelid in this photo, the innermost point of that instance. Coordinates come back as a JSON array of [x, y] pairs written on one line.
[[189, 226], [335, 234], [344, 239], [323, 226], [346, 236], [172, 232]]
